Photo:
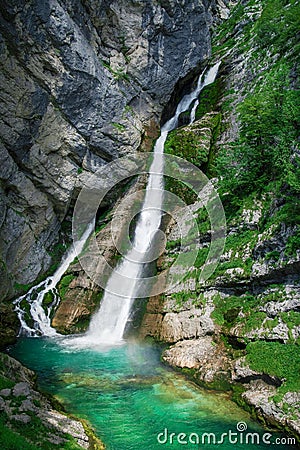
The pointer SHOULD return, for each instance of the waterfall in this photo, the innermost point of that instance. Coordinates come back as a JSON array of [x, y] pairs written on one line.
[[35, 296], [108, 324], [209, 78]]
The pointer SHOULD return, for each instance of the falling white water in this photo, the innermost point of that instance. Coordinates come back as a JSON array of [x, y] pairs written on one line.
[[35, 296], [108, 324], [209, 78]]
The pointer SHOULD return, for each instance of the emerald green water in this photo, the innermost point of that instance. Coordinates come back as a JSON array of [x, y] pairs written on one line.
[[129, 397]]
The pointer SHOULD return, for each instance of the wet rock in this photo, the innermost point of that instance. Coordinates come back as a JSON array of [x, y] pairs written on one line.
[[60, 425], [66, 425], [15, 371], [242, 370], [2, 404], [273, 308], [259, 395], [28, 405], [190, 354]]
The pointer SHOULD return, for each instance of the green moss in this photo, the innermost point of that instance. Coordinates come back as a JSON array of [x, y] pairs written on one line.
[[22, 288], [25, 306], [276, 359], [209, 98], [189, 145], [236, 396], [48, 299], [64, 283]]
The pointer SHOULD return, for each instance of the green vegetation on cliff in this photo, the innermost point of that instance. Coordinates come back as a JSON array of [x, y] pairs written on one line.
[[254, 153], [276, 359], [264, 156]]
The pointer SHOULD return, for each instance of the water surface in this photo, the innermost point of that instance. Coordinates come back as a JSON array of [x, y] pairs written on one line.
[[129, 397]]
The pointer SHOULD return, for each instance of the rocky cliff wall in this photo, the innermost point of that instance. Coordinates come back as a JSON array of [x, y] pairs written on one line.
[[82, 83]]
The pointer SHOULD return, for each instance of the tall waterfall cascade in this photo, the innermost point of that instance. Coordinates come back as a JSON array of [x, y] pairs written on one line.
[[109, 322]]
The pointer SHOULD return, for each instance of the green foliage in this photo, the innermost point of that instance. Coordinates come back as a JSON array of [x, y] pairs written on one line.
[[15, 435], [118, 126], [201, 257], [293, 244], [118, 74], [187, 145], [268, 134], [182, 297], [264, 157], [278, 26], [181, 190], [171, 245], [273, 256], [291, 318], [227, 311], [63, 285], [208, 99], [5, 383], [203, 221], [276, 359]]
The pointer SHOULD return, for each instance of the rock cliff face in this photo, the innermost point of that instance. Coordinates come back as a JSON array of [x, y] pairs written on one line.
[[82, 83]]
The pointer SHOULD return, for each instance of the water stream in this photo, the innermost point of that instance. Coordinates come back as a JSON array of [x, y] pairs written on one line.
[[35, 296]]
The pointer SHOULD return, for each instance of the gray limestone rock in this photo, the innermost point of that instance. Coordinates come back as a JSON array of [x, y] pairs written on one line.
[[5, 392], [24, 418], [21, 388], [81, 84]]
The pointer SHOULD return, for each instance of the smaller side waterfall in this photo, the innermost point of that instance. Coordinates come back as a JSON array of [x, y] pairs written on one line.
[[35, 296]]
